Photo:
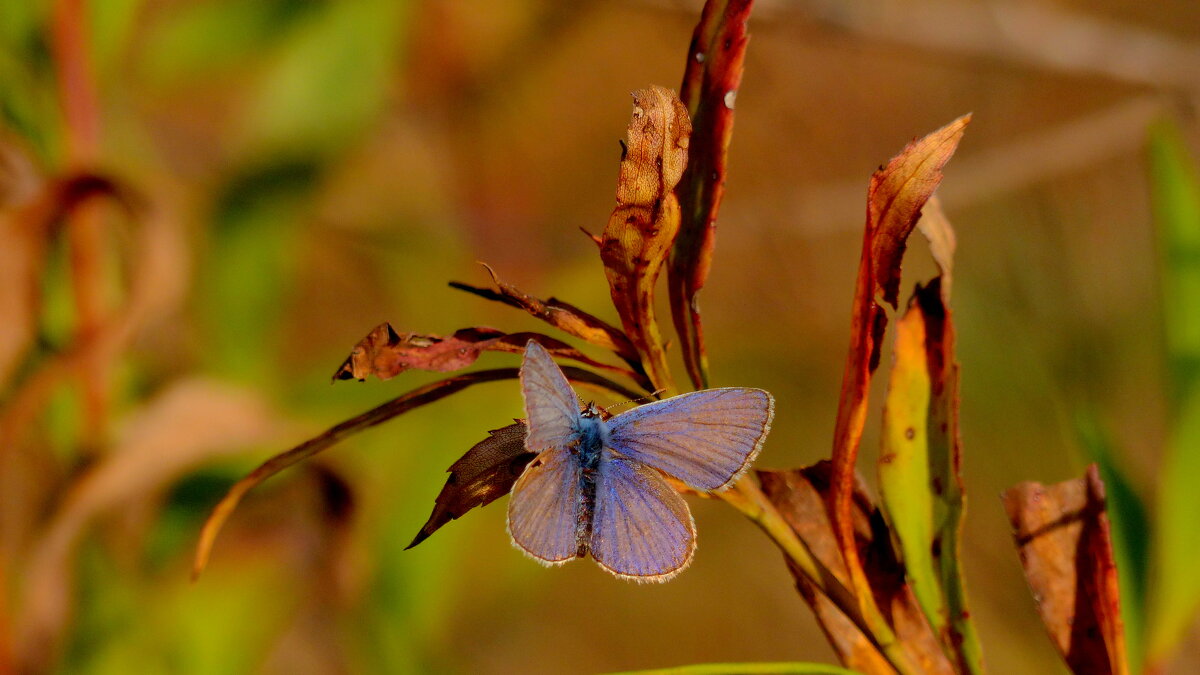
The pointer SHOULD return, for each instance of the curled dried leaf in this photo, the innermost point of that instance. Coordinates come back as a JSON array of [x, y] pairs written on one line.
[[942, 242], [385, 353], [639, 234], [563, 316], [1062, 534], [483, 475]]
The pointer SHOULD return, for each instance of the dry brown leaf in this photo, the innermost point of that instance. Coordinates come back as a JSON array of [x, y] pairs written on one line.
[[385, 353], [942, 242], [563, 316], [800, 496], [484, 474], [639, 234], [1062, 534]]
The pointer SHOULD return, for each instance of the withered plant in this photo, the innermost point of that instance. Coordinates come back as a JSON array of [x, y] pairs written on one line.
[[883, 576]]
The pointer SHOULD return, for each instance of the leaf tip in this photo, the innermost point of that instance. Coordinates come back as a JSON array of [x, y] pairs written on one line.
[[422, 535], [599, 241]]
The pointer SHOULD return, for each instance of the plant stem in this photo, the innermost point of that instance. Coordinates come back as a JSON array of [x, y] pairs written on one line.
[[747, 497], [85, 224]]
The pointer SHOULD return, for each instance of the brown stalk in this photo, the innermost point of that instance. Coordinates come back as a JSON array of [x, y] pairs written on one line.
[[339, 432], [85, 226]]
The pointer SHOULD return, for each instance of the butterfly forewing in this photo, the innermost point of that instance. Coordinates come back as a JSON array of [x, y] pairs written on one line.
[[542, 511], [642, 528], [705, 439], [551, 407]]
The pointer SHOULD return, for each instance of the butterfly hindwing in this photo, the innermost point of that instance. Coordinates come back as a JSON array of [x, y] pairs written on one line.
[[543, 508], [641, 529], [705, 439]]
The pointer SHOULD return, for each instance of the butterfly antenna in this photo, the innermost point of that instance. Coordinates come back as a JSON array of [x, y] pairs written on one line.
[[635, 400]]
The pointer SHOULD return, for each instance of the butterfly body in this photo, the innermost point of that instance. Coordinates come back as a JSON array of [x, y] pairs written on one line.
[[597, 484], [587, 451]]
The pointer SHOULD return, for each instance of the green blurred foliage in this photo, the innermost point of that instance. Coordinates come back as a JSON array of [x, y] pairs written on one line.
[[1176, 192]]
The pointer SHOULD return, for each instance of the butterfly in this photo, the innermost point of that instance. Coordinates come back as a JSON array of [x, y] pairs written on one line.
[[596, 485]]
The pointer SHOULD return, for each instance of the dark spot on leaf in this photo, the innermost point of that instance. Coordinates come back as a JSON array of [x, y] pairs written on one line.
[[910, 433]]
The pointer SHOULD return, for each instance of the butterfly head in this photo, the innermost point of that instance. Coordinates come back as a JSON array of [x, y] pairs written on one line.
[[590, 411]]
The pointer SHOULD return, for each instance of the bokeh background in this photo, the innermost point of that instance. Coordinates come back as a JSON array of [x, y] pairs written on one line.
[[301, 170]]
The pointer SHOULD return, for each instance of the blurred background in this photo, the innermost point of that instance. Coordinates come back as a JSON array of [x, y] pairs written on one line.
[[290, 173]]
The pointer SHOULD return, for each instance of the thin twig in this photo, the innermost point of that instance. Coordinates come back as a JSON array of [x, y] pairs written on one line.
[[85, 226]]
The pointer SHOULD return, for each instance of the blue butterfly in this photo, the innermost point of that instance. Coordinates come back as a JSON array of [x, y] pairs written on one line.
[[595, 486]]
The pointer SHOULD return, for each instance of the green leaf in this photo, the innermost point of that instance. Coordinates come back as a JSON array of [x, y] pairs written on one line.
[[198, 39], [747, 669], [112, 23], [29, 102], [904, 471], [249, 267], [1175, 184], [1177, 594], [330, 79], [1176, 201]]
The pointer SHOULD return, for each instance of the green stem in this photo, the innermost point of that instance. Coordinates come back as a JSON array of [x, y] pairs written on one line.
[[747, 497]]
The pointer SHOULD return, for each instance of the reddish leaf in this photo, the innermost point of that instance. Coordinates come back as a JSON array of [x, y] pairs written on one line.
[[486, 473], [1062, 534], [385, 353], [710, 83], [397, 406], [800, 497], [641, 229], [565, 317], [894, 200]]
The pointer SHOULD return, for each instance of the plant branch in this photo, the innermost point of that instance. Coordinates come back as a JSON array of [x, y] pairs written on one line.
[[747, 497]]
